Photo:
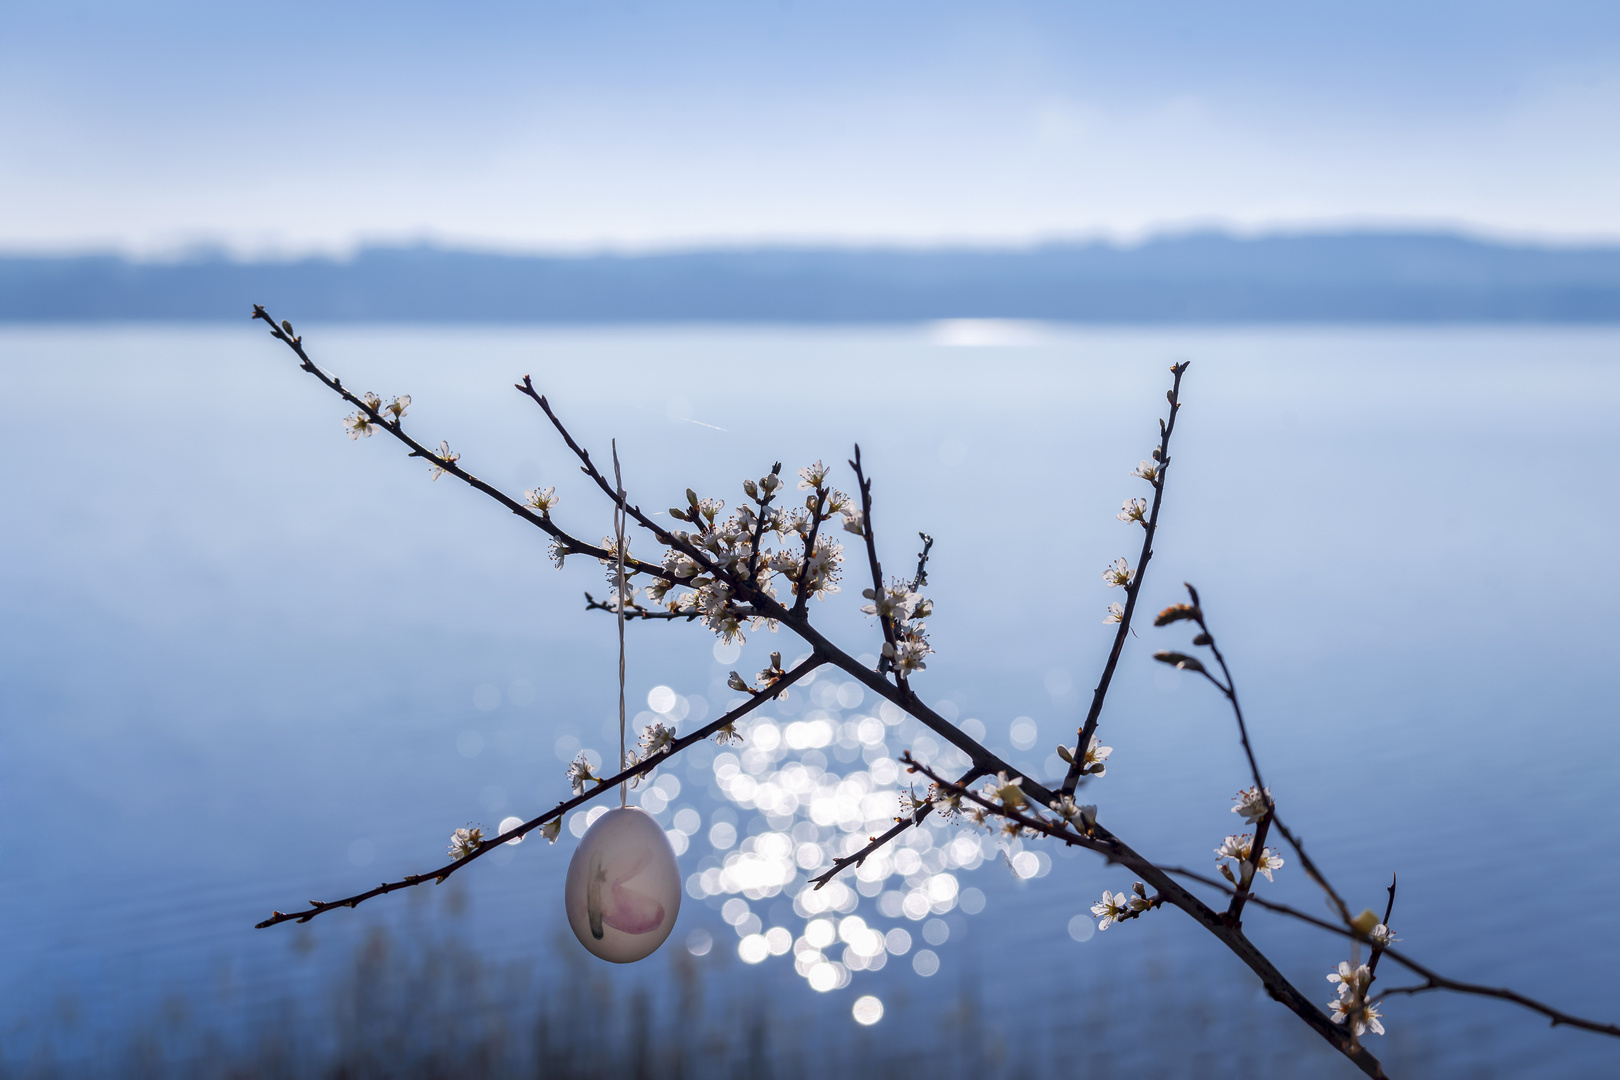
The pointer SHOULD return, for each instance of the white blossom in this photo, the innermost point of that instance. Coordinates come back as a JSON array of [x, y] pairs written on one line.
[[1367, 1016], [1065, 808], [1008, 791], [854, 521], [1251, 803], [373, 402], [358, 424], [398, 406], [820, 572], [1133, 510], [446, 457], [1095, 757], [1351, 981], [1352, 1003], [895, 602], [655, 739], [1383, 936], [464, 842], [1111, 908], [552, 829], [812, 476], [1116, 613], [1241, 848], [541, 499], [907, 656], [1148, 471], [1139, 899], [580, 773], [1118, 573]]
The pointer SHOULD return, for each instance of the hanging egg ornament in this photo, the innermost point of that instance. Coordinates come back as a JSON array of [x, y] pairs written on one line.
[[624, 889]]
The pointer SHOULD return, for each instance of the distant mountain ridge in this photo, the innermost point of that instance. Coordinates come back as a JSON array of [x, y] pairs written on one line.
[[1193, 278]]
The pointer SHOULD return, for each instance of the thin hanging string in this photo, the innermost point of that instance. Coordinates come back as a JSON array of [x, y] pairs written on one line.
[[618, 534]]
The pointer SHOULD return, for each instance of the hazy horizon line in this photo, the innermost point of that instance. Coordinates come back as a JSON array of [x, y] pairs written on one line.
[[224, 249]]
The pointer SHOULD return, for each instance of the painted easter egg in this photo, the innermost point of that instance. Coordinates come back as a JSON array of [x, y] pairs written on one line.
[[624, 889]]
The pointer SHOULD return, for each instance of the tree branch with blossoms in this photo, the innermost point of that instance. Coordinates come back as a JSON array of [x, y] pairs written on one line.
[[733, 573], [1120, 574]]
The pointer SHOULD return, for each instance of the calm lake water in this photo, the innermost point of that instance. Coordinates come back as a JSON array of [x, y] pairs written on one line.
[[247, 662]]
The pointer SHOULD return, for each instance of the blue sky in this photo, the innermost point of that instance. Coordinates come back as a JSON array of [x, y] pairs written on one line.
[[582, 125]]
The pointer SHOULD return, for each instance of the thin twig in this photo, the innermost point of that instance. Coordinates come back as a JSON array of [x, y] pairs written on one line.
[[759, 523], [319, 907], [876, 842], [571, 545], [817, 507], [1389, 909], [1433, 980], [1132, 591], [1228, 690], [921, 577], [864, 485]]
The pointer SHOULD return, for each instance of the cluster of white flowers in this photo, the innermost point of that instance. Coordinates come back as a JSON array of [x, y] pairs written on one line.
[[906, 611], [1241, 849], [656, 739], [726, 547], [1351, 1006], [1115, 907], [947, 803], [360, 424], [1252, 803], [464, 842]]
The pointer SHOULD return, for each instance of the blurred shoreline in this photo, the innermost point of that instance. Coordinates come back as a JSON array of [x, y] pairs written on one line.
[[1190, 279]]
